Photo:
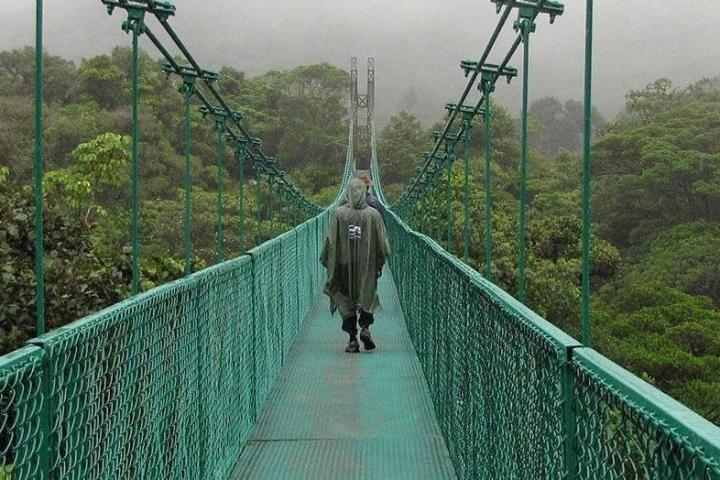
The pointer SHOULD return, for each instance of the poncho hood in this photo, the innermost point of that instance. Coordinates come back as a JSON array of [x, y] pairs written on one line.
[[356, 194]]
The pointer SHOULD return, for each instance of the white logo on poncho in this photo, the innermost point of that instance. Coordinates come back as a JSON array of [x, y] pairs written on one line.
[[355, 232]]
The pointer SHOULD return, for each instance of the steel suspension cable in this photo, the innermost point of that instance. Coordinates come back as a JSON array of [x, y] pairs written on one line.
[[587, 176], [533, 10], [38, 174]]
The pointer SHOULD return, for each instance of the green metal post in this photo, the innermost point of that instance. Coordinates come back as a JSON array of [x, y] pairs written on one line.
[[487, 90], [135, 22], [526, 27], [38, 174], [241, 166], [467, 130], [270, 206], [569, 422], [220, 238], [188, 90], [448, 162], [587, 176], [258, 233]]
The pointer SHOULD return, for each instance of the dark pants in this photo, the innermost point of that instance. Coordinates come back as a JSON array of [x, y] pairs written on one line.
[[350, 323]]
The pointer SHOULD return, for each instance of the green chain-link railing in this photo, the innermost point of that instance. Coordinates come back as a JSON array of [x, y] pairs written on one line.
[[518, 398], [167, 384]]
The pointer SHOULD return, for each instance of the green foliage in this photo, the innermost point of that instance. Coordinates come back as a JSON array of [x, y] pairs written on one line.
[[662, 172], [102, 81], [79, 282], [654, 260], [400, 147], [667, 336], [17, 75], [656, 200], [686, 257], [557, 125], [99, 164]]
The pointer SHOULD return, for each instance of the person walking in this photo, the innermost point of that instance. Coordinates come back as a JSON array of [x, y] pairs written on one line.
[[371, 199], [354, 253]]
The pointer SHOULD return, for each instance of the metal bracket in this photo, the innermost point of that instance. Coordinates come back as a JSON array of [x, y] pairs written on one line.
[[135, 22], [162, 10], [189, 74], [489, 70], [220, 115], [531, 8], [467, 111]]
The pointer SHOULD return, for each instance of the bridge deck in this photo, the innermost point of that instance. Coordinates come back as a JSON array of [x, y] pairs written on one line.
[[334, 415]]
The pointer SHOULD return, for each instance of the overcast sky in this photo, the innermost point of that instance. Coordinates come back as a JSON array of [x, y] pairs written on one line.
[[417, 43]]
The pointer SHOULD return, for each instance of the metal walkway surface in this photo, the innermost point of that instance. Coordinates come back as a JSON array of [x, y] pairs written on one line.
[[333, 415]]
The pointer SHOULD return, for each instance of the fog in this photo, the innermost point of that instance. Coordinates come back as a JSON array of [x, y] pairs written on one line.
[[417, 43]]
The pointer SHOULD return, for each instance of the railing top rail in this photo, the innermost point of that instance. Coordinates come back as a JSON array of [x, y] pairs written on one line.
[[558, 338], [675, 418]]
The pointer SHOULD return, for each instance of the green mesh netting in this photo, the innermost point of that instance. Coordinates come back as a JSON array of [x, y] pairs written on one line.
[[517, 398], [167, 384]]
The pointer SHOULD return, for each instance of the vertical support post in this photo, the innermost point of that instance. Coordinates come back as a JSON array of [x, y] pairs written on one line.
[[526, 26], [135, 23], [449, 157], [220, 237], [569, 419], [38, 158], [241, 152], [188, 90], [258, 184], [487, 86], [270, 206], [467, 132], [587, 177]]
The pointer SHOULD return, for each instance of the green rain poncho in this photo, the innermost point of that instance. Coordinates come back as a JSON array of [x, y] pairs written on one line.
[[354, 253]]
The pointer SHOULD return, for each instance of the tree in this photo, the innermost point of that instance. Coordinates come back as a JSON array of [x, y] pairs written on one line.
[[102, 81], [400, 148], [653, 175], [99, 164], [560, 125]]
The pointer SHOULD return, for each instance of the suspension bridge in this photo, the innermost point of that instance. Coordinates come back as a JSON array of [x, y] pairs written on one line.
[[237, 371]]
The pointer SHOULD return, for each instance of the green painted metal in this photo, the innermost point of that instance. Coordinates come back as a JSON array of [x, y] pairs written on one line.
[[38, 160], [587, 176], [449, 158], [467, 135], [270, 215], [188, 89], [135, 24], [526, 26], [487, 88], [258, 185], [638, 431], [220, 230], [170, 383], [322, 423], [241, 154]]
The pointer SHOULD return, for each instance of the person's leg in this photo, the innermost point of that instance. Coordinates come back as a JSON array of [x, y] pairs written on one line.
[[349, 325], [366, 319]]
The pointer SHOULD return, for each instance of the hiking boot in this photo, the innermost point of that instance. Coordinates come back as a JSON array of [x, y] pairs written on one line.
[[366, 339], [352, 347]]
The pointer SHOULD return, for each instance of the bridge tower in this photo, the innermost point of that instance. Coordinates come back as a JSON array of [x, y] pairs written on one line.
[[359, 102]]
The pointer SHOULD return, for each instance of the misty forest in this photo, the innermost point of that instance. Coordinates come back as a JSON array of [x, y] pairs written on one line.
[[656, 199]]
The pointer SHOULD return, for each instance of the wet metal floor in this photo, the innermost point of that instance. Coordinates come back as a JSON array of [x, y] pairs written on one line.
[[334, 415]]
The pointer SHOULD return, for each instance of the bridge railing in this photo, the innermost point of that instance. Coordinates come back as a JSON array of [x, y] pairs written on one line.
[[167, 384], [518, 398]]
